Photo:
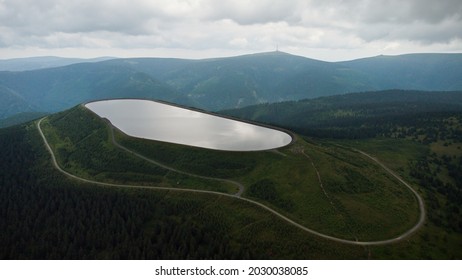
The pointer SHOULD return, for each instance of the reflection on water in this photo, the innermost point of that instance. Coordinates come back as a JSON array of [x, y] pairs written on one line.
[[162, 122]]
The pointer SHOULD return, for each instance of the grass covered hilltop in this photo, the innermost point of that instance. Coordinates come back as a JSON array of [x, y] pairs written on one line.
[[328, 189]]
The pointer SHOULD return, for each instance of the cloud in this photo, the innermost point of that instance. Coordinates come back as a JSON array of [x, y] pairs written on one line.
[[230, 24], [395, 11], [426, 22], [48, 16], [254, 12], [423, 21]]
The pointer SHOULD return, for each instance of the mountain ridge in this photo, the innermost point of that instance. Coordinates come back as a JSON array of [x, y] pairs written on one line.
[[43, 62], [225, 83]]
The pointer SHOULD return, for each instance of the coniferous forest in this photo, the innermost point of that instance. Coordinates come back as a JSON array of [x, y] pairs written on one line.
[[48, 216]]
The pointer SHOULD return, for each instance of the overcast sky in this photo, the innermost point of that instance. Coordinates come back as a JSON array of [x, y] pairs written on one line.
[[330, 30]]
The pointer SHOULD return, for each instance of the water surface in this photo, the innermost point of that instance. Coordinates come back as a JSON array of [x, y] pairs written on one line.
[[162, 122]]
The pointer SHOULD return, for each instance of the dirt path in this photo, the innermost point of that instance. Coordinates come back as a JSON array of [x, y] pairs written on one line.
[[236, 196], [331, 201]]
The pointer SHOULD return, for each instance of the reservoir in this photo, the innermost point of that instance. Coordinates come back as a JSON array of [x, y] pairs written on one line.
[[162, 122]]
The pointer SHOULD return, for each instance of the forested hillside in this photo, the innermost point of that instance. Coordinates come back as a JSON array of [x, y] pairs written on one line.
[[412, 71], [419, 133], [56, 89], [20, 118], [42, 62], [251, 79], [48, 216], [222, 83], [356, 115]]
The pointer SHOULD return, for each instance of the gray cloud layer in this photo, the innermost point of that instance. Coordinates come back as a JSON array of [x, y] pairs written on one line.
[[229, 24]]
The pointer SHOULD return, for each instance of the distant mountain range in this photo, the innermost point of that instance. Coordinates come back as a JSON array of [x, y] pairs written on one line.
[[216, 84], [42, 62]]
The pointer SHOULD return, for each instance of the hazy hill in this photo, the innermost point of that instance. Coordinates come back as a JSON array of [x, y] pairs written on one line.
[[223, 83], [235, 82], [20, 118], [55, 89], [11, 103], [42, 62], [412, 71]]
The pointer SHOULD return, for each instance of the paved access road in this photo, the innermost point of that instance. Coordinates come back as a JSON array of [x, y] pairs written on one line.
[[237, 195]]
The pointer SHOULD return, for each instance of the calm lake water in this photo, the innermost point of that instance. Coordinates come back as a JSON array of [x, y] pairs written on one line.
[[162, 122]]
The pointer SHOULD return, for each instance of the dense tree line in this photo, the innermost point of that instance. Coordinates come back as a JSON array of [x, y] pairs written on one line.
[[427, 171], [46, 216], [356, 115]]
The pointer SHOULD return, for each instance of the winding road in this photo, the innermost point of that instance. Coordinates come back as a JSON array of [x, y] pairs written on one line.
[[237, 184], [238, 195]]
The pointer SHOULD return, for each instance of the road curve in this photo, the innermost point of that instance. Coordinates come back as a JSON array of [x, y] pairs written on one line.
[[416, 194], [237, 184], [332, 238]]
